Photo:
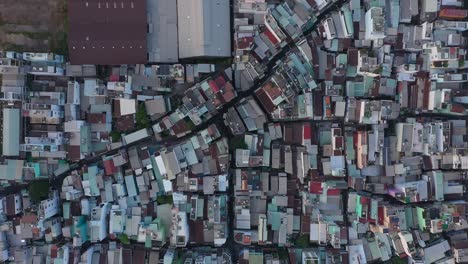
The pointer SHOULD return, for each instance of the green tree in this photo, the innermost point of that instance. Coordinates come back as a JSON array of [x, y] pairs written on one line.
[[190, 124], [302, 241], [38, 190], [115, 136], [165, 199], [142, 119], [237, 142], [397, 260], [124, 239]]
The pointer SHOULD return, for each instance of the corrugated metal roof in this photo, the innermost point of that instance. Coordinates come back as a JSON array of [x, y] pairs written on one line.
[[107, 33], [204, 28], [162, 38], [11, 131]]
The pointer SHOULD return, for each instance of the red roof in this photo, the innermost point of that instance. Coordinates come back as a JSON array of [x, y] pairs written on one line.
[[364, 200], [453, 13], [96, 118], [107, 33], [228, 92], [307, 131], [114, 78], [333, 192], [270, 36], [457, 108], [220, 81], [244, 42], [272, 90], [74, 153], [213, 86], [316, 188], [109, 167], [380, 213], [265, 100]]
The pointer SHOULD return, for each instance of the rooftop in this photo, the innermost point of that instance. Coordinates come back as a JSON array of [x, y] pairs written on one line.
[[107, 32]]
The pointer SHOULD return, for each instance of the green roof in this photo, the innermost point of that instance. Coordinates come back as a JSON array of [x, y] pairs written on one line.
[[255, 257], [358, 206], [421, 219]]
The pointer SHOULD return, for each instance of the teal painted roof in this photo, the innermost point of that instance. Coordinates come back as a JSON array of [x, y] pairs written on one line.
[[325, 138], [11, 131], [157, 174], [298, 63], [342, 59], [66, 210], [351, 71], [131, 186], [11, 170], [275, 221], [85, 137], [348, 19], [92, 173], [189, 152]]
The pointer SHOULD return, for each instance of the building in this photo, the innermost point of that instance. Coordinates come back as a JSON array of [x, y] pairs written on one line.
[[162, 31], [107, 32], [375, 24], [11, 132], [204, 28]]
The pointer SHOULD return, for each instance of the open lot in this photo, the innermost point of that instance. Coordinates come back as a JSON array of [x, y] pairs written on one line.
[[34, 25]]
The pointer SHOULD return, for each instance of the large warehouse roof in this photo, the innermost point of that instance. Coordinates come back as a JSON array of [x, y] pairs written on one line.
[[162, 33], [204, 28], [107, 32]]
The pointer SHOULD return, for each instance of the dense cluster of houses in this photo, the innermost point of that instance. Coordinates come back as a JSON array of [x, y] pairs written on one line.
[[337, 135]]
